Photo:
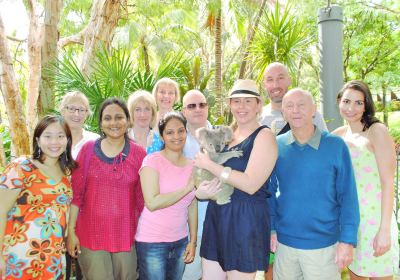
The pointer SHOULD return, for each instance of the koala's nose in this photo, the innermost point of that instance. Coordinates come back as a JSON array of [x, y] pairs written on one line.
[[218, 147]]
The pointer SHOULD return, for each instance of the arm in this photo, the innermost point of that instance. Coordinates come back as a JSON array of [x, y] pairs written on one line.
[[261, 162], [349, 217], [8, 198], [153, 199], [385, 155], [73, 244], [192, 219]]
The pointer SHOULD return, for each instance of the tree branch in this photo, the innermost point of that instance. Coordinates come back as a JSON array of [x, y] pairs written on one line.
[[77, 38]]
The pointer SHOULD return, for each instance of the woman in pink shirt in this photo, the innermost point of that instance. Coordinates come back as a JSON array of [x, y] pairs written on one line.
[[162, 241], [107, 199]]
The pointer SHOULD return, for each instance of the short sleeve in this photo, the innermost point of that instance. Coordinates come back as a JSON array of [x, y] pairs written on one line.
[[13, 175], [152, 160]]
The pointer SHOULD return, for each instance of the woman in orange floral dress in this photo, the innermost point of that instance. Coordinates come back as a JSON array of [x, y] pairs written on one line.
[[34, 201]]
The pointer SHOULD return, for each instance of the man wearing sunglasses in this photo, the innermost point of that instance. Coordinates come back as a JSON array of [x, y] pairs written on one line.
[[195, 110]]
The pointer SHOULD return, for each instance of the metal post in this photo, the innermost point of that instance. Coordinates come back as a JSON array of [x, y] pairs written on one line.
[[330, 33]]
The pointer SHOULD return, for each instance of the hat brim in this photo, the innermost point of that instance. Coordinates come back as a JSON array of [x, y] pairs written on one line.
[[242, 95]]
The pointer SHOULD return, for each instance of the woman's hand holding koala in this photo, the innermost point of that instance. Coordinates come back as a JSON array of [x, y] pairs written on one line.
[[202, 160], [208, 189]]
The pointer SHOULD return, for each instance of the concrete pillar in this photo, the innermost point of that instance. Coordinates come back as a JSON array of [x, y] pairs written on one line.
[[330, 33]]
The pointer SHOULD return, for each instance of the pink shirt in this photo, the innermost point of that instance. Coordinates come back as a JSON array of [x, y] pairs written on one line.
[[167, 224], [111, 200]]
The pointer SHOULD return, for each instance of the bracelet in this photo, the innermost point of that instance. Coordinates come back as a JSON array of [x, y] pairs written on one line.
[[225, 174]]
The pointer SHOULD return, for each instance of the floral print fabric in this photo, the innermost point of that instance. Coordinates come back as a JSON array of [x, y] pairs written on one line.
[[369, 197], [34, 237]]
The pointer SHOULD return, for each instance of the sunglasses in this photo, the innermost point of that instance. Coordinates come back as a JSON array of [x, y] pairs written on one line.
[[193, 106]]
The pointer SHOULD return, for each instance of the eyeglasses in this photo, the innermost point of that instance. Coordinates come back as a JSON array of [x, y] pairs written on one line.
[[72, 110], [193, 106]]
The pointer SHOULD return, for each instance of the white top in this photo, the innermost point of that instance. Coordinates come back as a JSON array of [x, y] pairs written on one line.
[[274, 119], [87, 136]]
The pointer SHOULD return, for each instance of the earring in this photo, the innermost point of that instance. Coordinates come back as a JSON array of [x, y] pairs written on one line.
[[39, 151], [66, 156]]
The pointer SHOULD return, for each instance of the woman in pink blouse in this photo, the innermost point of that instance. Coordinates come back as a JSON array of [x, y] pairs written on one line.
[[107, 199], [162, 238]]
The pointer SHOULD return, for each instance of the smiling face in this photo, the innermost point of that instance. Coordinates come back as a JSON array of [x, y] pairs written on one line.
[[352, 105], [276, 82], [166, 96], [298, 109], [114, 121], [52, 141], [75, 113], [174, 135], [245, 109]]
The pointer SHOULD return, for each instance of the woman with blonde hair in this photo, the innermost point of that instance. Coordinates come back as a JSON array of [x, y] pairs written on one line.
[[143, 110], [236, 242], [166, 93], [75, 109]]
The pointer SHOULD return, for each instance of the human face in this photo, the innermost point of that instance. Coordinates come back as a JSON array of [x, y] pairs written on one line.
[[75, 113], [245, 109], [114, 122], [298, 109], [53, 141], [142, 114], [174, 135], [276, 83], [352, 105], [166, 94], [195, 110]]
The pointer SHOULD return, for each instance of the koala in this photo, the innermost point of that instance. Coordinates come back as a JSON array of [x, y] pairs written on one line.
[[213, 141]]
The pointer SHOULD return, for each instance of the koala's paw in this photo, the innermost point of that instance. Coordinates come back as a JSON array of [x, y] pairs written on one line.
[[222, 201], [237, 153]]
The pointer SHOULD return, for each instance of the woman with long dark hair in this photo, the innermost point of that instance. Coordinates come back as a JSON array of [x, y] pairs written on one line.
[[35, 195], [374, 161]]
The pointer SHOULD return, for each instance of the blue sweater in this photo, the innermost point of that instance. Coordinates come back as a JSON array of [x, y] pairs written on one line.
[[315, 197]]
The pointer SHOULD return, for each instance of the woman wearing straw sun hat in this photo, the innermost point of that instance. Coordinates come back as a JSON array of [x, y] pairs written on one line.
[[235, 241]]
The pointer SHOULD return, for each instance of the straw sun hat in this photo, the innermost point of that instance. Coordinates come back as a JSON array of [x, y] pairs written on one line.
[[244, 88]]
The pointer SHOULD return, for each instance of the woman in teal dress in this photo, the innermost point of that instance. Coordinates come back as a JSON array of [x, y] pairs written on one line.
[[374, 162]]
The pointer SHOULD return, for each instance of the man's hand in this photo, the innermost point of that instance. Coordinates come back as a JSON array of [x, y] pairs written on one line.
[[344, 255], [274, 242]]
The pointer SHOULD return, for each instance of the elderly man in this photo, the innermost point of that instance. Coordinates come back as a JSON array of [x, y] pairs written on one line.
[[315, 212], [276, 83], [195, 110]]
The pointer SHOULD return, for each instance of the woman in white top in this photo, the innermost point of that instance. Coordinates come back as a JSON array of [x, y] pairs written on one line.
[[75, 109]]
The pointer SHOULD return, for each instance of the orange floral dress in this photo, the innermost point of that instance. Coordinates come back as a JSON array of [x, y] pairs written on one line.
[[34, 245]]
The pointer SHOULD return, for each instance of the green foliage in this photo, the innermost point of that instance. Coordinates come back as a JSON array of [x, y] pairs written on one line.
[[5, 134], [394, 105], [281, 36]]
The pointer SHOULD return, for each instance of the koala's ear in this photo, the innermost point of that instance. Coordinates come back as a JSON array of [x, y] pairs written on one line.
[[228, 134], [201, 133]]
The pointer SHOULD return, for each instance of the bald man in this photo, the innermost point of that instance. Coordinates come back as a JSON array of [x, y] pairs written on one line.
[[195, 110], [315, 213], [276, 83]]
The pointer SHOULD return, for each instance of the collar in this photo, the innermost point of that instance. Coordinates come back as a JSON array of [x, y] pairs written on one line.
[[313, 142]]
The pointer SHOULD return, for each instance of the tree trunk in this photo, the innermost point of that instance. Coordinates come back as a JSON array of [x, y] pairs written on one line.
[[34, 63], [49, 54], [252, 32], [218, 64], [12, 98], [100, 30]]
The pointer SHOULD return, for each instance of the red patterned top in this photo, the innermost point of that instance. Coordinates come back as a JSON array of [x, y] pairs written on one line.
[[111, 201]]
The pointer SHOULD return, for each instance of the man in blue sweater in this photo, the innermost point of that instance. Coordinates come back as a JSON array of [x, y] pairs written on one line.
[[315, 211]]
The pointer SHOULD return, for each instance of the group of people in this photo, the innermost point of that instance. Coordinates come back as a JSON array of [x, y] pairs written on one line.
[[126, 203]]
